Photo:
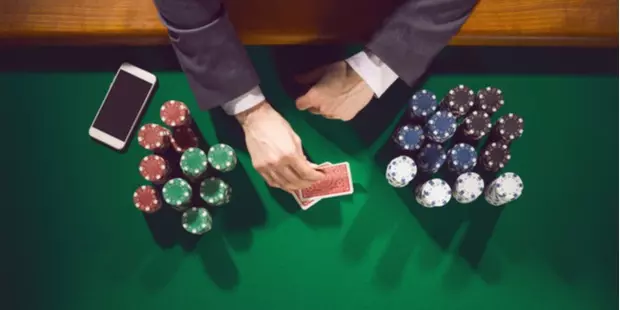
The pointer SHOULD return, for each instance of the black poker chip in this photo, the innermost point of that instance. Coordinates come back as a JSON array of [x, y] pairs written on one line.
[[459, 100], [476, 125], [489, 99], [495, 156], [508, 128]]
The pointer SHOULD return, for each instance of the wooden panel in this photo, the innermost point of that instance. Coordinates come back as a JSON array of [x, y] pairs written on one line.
[[494, 22]]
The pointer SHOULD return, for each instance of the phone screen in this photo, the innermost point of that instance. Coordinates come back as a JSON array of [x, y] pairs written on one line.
[[122, 105]]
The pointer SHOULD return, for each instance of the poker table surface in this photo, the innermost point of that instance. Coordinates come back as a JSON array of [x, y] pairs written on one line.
[[74, 240]]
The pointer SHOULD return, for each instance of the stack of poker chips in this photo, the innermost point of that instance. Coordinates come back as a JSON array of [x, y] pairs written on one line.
[[196, 221], [468, 187], [476, 125], [409, 137], [431, 157], [459, 100], [489, 100], [422, 104], [215, 191], [222, 157], [433, 193], [401, 171], [508, 128], [430, 128], [506, 188], [462, 158], [441, 126], [194, 175]]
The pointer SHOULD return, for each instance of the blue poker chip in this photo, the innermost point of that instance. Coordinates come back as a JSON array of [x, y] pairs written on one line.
[[422, 104], [462, 157], [410, 137], [431, 157], [441, 126]]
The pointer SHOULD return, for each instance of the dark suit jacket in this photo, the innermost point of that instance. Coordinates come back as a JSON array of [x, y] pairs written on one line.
[[218, 69]]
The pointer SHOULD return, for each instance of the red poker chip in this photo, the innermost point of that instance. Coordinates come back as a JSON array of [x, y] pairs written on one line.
[[153, 137], [154, 168], [183, 138], [459, 100], [174, 113], [146, 199]]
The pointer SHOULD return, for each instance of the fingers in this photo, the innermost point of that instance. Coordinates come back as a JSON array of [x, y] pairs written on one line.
[[304, 102], [305, 171]]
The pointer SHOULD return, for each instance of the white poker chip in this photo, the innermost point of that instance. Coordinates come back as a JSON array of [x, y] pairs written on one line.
[[468, 187], [506, 188], [434, 193], [401, 171]]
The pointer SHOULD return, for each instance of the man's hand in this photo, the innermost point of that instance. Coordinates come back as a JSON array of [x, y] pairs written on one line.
[[339, 94], [276, 149]]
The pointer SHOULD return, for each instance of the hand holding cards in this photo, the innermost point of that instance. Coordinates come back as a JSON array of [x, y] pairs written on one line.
[[337, 182]]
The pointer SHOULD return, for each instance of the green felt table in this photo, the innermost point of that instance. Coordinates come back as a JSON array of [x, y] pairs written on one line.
[[74, 240]]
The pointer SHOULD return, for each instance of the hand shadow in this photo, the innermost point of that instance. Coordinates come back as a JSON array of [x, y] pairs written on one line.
[[216, 259], [245, 210]]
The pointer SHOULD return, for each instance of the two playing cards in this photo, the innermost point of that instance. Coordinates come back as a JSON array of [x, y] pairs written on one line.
[[337, 182]]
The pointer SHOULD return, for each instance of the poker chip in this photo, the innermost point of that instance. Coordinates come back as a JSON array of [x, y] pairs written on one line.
[[506, 188], [462, 158], [468, 187], [459, 100], [495, 156], [145, 198], [509, 128], [477, 124], [222, 157], [193, 162], [174, 113], [422, 104], [215, 191], [433, 193], [183, 138], [431, 157], [153, 137], [489, 99], [401, 171], [409, 137], [177, 193], [154, 168], [197, 221], [441, 126]]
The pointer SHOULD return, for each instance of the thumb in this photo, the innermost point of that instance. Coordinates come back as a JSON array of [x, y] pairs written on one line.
[[305, 102]]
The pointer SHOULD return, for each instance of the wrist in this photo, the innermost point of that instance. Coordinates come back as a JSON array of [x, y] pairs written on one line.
[[250, 115]]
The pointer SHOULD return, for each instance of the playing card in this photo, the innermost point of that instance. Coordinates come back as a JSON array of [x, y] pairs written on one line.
[[337, 182], [305, 204]]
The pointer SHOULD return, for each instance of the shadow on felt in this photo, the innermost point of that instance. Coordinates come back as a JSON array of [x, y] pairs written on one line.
[[245, 211], [217, 261]]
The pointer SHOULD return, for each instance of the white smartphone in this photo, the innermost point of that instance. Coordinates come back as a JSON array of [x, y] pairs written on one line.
[[122, 106]]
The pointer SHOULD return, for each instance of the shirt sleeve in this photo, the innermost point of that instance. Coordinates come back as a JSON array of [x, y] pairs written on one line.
[[373, 71], [244, 102]]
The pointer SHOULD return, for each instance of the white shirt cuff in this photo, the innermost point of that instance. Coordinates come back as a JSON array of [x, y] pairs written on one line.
[[244, 102], [373, 71]]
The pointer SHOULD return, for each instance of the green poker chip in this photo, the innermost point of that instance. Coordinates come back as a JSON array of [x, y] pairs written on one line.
[[215, 191], [197, 221], [193, 162], [177, 192], [222, 157]]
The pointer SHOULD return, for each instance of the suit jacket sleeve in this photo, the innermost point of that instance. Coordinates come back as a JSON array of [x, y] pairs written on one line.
[[207, 47], [416, 32]]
